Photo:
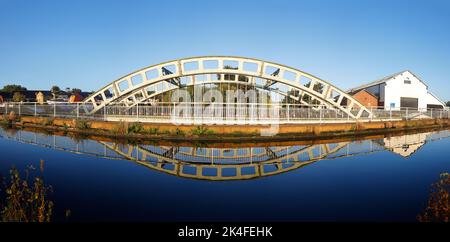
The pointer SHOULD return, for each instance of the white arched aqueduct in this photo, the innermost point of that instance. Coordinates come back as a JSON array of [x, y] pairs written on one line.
[[143, 84]]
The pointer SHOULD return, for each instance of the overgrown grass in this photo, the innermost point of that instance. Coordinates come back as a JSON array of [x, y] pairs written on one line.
[[152, 131], [179, 132], [124, 128], [26, 200], [135, 128], [438, 208], [5, 123], [119, 129], [82, 124], [237, 133], [200, 130]]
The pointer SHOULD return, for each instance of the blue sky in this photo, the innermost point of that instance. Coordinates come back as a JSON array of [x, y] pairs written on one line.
[[87, 44]]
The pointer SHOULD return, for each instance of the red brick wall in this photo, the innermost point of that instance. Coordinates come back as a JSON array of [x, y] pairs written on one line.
[[366, 98]]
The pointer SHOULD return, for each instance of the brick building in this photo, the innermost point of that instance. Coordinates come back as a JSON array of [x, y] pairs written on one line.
[[400, 90], [366, 98]]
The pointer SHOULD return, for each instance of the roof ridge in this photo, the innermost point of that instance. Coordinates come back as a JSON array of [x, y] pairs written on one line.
[[378, 81], [437, 98]]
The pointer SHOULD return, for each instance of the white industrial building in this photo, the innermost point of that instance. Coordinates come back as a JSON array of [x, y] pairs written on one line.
[[401, 90]]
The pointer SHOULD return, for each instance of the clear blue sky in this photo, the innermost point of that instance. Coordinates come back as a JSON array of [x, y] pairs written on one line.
[[87, 44]]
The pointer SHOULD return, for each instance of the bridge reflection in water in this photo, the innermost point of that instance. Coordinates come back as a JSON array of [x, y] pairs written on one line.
[[219, 164]]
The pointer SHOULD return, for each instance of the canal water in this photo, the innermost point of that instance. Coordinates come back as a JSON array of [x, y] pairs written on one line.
[[386, 178]]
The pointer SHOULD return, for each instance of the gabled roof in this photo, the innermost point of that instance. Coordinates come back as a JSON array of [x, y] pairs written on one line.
[[439, 100], [410, 150], [382, 80]]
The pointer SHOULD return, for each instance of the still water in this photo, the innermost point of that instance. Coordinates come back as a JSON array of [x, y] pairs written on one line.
[[385, 178]]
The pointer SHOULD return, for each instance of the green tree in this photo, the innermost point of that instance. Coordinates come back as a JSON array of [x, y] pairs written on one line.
[[76, 90], [13, 88], [447, 103], [55, 89], [18, 97]]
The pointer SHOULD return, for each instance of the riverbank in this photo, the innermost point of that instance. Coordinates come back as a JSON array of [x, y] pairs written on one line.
[[222, 133]]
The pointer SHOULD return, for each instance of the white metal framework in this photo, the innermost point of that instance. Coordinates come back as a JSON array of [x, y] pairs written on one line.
[[141, 85]]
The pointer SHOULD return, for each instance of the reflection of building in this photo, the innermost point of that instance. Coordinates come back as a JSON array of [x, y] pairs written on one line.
[[405, 145], [403, 89]]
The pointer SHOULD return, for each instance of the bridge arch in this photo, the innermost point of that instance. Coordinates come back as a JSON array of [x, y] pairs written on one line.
[[280, 164], [136, 87]]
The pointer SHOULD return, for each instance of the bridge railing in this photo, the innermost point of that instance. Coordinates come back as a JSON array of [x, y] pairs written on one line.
[[216, 113]]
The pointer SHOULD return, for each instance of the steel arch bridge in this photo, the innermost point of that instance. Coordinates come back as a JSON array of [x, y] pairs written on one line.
[[280, 159], [144, 84]]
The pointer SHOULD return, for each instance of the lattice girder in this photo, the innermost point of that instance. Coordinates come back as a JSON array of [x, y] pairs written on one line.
[[308, 84]]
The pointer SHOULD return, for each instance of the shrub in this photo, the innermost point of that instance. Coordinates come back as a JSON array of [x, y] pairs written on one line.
[[26, 202], [120, 129], [179, 132], [124, 128], [237, 133], [5, 122], [200, 130], [438, 206], [153, 131], [135, 128], [82, 124], [18, 97]]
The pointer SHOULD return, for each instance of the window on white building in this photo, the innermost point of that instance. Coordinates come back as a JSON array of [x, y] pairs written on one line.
[[407, 81], [392, 105]]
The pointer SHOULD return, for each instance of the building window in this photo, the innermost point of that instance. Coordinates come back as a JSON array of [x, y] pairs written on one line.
[[407, 81], [392, 105]]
